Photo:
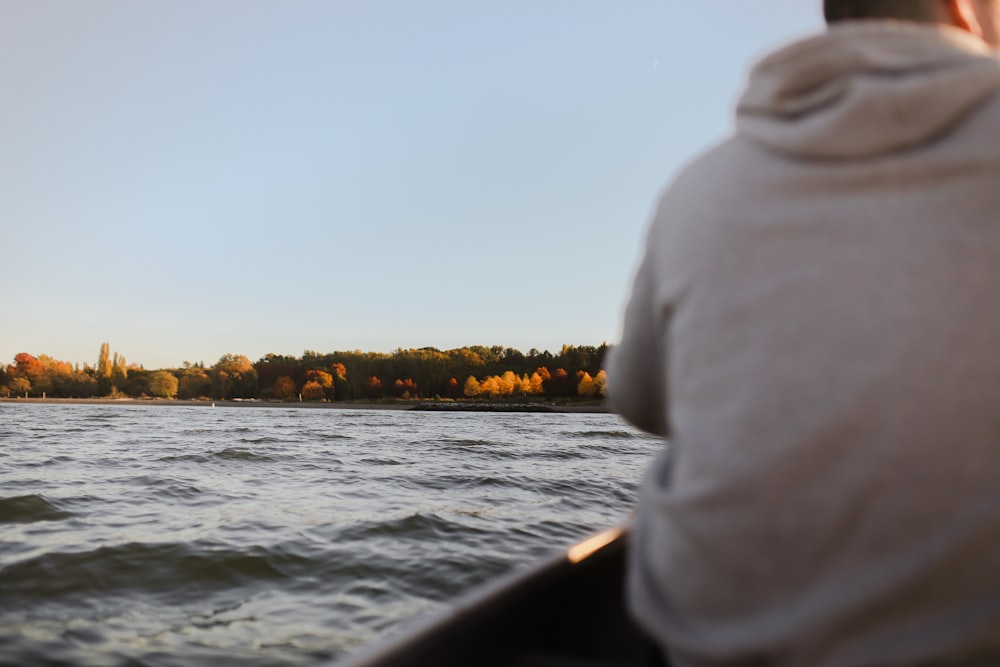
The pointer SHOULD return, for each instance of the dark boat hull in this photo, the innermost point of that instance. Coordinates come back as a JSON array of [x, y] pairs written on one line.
[[567, 612]]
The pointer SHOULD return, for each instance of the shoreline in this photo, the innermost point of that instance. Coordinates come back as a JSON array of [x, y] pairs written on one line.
[[421, 406]]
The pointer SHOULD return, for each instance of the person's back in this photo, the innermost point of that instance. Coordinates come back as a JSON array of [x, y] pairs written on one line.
[[814, 327]]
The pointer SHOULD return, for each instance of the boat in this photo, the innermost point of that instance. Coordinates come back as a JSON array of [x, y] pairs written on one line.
[[568, 611]]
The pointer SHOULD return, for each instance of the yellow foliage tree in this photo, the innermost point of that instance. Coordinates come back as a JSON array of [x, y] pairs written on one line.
[[490, 386], [104, 362], [163, 384], [508, 384], [601, 380], [472, 387]]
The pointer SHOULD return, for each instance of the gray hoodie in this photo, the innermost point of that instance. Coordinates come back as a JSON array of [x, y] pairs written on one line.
[[815, 327]]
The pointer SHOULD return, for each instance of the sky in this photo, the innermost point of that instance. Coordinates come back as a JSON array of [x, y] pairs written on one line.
[[190, 178]]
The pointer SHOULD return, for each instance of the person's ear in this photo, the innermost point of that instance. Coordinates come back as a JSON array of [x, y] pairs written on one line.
[[963, 15]]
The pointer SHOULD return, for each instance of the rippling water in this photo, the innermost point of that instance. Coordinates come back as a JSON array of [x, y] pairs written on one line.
[[151, 535]]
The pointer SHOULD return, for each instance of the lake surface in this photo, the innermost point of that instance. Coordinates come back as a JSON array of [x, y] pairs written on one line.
[[169, 535]]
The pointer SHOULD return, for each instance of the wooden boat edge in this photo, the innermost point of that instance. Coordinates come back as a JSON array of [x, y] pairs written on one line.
[[538, 605]]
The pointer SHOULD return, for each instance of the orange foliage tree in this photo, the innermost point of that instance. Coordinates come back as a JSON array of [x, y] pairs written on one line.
[[323, 379], [313, 391], [284, 388], [373, 388], [342, 389], [404, 388], [472, 387], [452, 389]]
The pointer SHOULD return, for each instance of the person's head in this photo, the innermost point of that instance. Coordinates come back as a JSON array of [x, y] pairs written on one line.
[[979, 17]]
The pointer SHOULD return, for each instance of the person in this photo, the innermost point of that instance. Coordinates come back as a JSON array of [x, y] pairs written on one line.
[[814, 328]]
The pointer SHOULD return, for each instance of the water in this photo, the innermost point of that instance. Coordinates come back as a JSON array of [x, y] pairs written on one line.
[[150, 535]]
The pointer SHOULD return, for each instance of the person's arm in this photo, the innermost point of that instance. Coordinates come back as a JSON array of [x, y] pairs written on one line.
[[637, 368]]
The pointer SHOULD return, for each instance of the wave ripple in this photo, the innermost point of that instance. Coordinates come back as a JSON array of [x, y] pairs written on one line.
[[142, 535], [29, 509], [172, 570]]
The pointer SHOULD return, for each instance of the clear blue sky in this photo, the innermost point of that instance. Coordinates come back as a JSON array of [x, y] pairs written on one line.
[[187, 178]]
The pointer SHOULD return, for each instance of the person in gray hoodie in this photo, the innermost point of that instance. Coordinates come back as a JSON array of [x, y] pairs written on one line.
[[815, 329]]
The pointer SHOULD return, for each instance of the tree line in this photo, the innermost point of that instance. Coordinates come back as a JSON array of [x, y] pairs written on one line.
[[467, 373]]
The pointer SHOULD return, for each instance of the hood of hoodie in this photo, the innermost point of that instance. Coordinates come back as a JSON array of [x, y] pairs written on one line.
[[866, 88]]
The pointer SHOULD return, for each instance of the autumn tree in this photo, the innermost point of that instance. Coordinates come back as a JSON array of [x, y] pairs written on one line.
[[601, 382], [586, 386], [373, 388], [163, 384], [194, 383], [104, 361], [19, 386], [274, 366], [46, 376], [30, 369], [508, 383], [452, 389], [136, 385], [490, 386], [313, 391], [284, 388], [323, 379], [58, 378], [560, 383], [405, 388], [342, 389], [119, 371], [233, 376], [506, 372], [103, 373]]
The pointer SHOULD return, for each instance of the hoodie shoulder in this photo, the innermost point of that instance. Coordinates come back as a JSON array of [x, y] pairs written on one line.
[[865, 89]]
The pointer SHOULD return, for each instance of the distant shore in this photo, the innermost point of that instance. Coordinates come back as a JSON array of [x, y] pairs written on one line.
[[429, 406]]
